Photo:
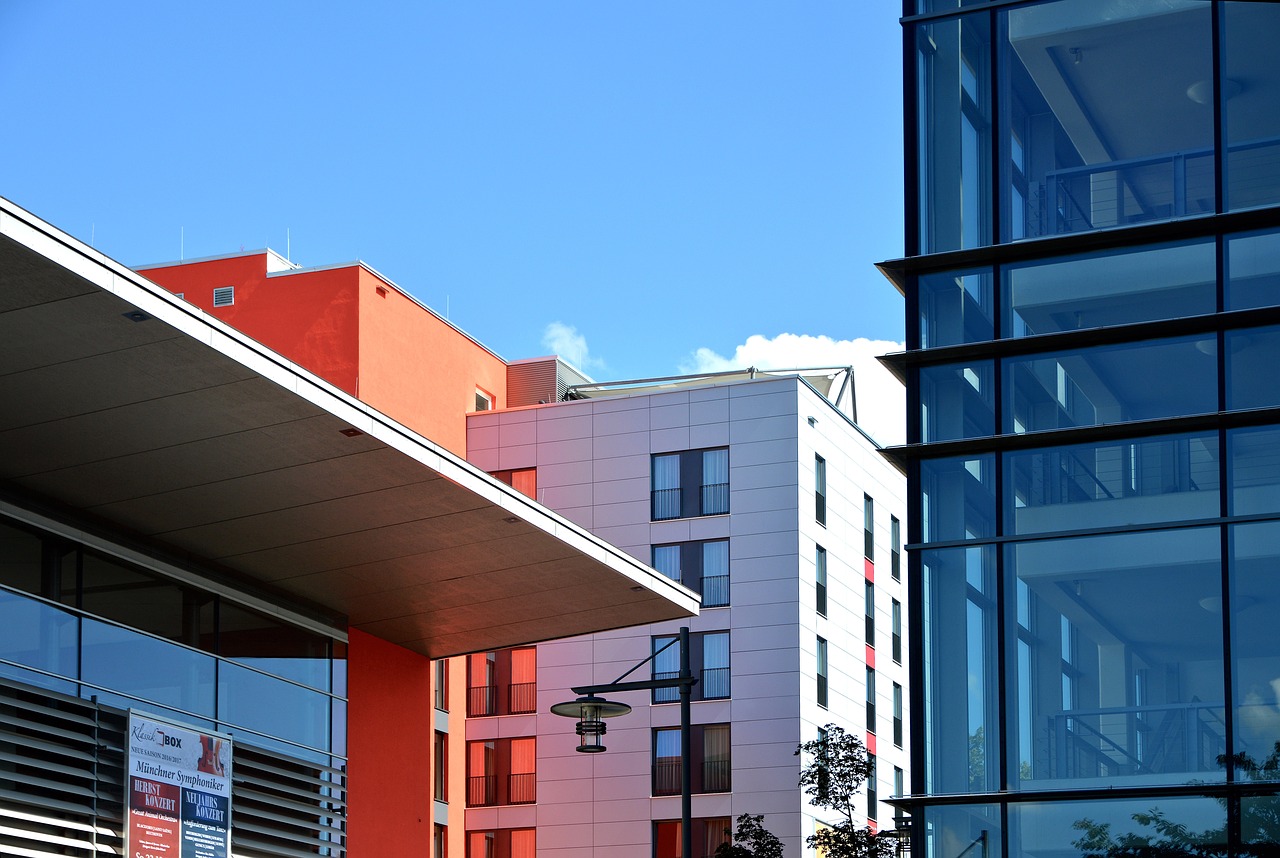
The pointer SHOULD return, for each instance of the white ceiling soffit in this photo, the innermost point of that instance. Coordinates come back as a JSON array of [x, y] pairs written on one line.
[[132, 409]]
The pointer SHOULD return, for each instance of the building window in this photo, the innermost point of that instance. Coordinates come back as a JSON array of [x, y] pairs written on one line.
[[708, 835], [484, 401], [895, 547], [822, 672], [442, 684], [690, 484], [869, 617], [502, 682], [708, 659], [897, 631], [523, 480], [899, 787], [820, 490], [710, 753], [701, 566], [824, 773], [441, 768], [897, 714], [440, 842], [868, 527], [820, 561], [501, 771], [502, 843], [871, 700], [872, 793]]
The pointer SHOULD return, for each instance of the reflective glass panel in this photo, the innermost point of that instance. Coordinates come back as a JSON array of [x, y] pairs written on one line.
[[956, 307], [953, 67], [1250, 104], [958, 498], [1159, 826], [276, 647], [1253, 270], [1139, 481], [20, 553], [1255, 470], [1252, 357], [1111, 384], [1255, 647], [141, 666], [1096, 290], [144, 600], [958, 831], [959, 629], [957, 401], [1098, 128], [272, 706], [38, 635], [1114, 694]]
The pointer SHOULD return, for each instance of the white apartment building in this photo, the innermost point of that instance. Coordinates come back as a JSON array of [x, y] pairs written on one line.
[[758, 491]]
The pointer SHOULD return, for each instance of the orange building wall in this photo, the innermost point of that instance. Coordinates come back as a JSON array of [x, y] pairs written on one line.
[[419, 369], [389, 779], [312, 317]]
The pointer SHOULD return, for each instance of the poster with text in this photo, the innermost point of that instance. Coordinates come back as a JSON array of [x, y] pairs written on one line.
[[179, 781]]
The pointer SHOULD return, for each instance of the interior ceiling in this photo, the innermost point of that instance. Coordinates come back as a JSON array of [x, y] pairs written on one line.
[[144, 427]]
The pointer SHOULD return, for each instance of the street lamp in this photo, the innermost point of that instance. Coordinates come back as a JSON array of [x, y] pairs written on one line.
[[591, 711]]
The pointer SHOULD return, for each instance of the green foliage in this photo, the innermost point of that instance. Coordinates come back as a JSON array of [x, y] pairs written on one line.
[[837, 767], [753, 840]]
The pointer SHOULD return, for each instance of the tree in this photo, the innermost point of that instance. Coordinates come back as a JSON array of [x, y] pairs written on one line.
[[754, 840], [837, 767]]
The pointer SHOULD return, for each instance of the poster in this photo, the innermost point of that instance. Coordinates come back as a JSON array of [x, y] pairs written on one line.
[[179, 782]]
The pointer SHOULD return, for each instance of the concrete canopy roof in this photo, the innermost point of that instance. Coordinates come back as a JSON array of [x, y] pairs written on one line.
[[130, 408]]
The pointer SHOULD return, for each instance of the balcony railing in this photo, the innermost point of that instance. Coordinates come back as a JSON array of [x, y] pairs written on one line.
[[1147, 740], [482, 790], [715, 499], [716, 776], [666, 504], [666, 695], [482, 700], [715, 683], [715, 591], [523, 698], [522, 788], [666, 777]]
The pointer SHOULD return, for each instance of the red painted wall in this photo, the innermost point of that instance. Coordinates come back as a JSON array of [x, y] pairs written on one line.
[[311, 317], [389, 716]]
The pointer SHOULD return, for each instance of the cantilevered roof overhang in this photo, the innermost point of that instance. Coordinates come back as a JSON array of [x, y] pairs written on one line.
[[128, 408]]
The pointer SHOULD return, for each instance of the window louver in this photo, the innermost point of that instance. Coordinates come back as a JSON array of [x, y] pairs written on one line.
[[224, 296]]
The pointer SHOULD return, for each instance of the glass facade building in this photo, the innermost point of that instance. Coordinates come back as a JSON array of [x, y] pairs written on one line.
[[1092, 285]]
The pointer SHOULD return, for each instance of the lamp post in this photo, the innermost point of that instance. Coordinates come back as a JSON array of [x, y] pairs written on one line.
[[591, 711]]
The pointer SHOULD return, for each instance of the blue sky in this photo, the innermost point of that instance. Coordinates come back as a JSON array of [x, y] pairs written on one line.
[[644, 187]]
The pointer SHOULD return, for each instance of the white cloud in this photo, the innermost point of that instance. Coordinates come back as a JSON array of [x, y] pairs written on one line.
[[880, 397], [565, 341]]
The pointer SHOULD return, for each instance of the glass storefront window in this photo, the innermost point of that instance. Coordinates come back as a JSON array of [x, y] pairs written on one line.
[[1252, 356], [957, 401], [1111, 384], [1119, 827], [1253, 270], [1096, 290], [150, 669], [958, 498], [956, 307], [958, 831], [1255, 471], [260, 641], [1255, 648], [147, 601], [272, 706], [1111, 484], [1250, 104], [20, 552], [960, 625], [1104, 692], [38, 635], [954, 173], [1097, 128]]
